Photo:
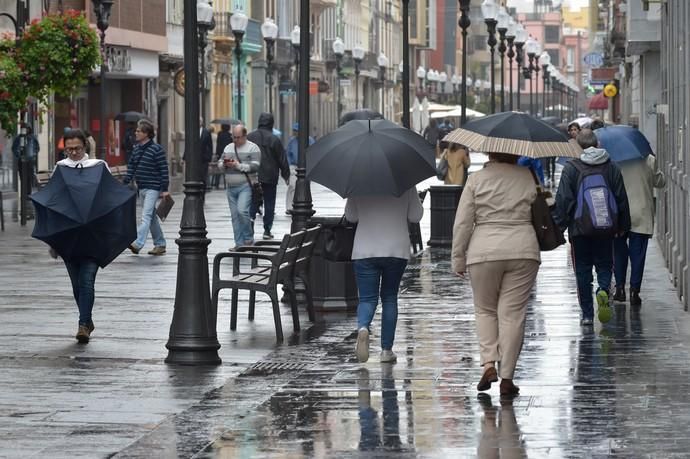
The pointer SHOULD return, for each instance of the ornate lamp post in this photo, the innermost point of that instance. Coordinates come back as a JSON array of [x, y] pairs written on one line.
[[205, 23], [406, 63], [443, 79], [490, 11], [520, 39], [503, 21], [536, 78], [551, 71], [510, 37], [358, 56], [101, 9], [421, 74], [464, 22], [339, 51], [455, 81], [432, 80], [545, 60], [531, 50], [238, 24], [382, 60], [295, 37], [192, 339], [269, 30]]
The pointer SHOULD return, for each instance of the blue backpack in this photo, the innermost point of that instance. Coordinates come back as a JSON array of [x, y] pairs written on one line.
[[596, 212]]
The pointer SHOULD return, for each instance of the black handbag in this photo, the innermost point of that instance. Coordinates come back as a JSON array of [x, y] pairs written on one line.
[[549, 235], [338, 241]]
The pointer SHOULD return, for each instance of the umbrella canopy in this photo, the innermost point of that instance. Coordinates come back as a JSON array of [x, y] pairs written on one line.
[[360, 114], [598, 102], [583, 122], [85, 212], [624, 143], [370, 158], [228, 121], [514, 133], [552, 120], [129, 117]]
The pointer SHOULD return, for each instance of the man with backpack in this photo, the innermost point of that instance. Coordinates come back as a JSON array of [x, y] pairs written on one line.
[[592, 204]]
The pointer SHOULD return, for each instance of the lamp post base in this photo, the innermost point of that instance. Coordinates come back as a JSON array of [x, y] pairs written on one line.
[[193, 351]]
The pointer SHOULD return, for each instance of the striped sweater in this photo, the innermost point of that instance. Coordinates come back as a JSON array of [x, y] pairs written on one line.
[[148, 165]]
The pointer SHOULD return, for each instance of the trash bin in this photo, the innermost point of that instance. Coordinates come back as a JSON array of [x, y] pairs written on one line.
[[444, 204], [333, 283]]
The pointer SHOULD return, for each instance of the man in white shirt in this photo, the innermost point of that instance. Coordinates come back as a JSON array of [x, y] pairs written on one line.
[[240, 161]]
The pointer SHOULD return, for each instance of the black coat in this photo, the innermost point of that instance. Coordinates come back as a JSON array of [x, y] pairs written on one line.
[[206, 146], [223, 140], [273, 156]]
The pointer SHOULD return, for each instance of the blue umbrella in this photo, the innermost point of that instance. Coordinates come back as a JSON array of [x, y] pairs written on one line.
[[85, 212], [624, 143]]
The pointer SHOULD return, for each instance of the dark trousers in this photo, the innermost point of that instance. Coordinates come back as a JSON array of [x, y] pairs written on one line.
[[588, 253], [633, 247], [269, 192], [82, 273]]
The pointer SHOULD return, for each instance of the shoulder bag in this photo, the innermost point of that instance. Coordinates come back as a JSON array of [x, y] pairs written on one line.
[[257, 191], [133, 183], [549, 235], [442, 168], [339, 240]]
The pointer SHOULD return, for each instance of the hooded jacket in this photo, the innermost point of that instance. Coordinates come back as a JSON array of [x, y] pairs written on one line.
[[566, 197], [273, 157]]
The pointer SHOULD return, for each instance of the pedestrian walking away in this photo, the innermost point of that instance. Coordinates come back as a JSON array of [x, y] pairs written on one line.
[[380, 252], [148, 167], [273, 162], [494, 240], [240, 161], [591, 202], [223, 140], [458, 160], [640, 177], [292, 155]]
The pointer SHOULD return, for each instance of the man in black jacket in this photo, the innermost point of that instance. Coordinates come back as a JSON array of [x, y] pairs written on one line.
[[223, 140], [273, 162]]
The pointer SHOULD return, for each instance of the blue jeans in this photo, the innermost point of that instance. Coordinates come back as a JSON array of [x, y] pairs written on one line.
[[82, 273], [379, 277], [633, 246], [269, 192], [149, 220], [240, 201], [588, 253]]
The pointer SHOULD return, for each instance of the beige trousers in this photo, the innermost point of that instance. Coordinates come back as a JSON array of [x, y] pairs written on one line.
[[501, 290]]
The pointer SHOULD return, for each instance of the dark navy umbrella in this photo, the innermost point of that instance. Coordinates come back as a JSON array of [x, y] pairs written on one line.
[[370, 157], [624, 143], [85, 212], [359, 114]]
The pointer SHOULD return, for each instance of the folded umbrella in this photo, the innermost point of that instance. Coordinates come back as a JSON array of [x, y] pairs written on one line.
[[514, 133], [623, 143], [370, 157], [85, 212]]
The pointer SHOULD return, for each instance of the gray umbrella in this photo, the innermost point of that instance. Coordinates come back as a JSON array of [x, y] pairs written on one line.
[[370, 157]]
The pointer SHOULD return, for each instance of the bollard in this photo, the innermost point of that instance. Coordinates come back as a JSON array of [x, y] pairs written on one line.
[[444, 204]]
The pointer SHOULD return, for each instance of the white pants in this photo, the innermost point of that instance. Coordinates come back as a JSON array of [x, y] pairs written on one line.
[[290, 195]]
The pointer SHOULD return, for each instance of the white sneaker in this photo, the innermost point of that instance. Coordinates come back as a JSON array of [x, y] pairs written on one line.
[[388, 356], [362, 348]]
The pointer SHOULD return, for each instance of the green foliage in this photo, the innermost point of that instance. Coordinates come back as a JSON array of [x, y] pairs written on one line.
[[13, 90]]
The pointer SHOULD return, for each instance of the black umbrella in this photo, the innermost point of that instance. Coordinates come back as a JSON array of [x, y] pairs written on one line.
[[370, 157], [228, 121], [360, 114], [514, 133], [129, 117], [85, 212]]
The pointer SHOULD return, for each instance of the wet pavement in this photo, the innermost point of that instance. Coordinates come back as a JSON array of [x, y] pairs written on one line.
[[615, 391]]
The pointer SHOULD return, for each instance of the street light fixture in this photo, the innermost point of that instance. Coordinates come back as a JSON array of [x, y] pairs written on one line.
[[339, 51], [101, 9], [531, 48], [192, 339], [490, 12], [536, 77], [545, 60], [358, 56], [443, 79], [269, 30], [432, 80], [551, 70], [421, 74], [205, 23], [238, 24], [464, 22], [455, 81], [510, 37], [382, 60], [502, 23], [520, 39]]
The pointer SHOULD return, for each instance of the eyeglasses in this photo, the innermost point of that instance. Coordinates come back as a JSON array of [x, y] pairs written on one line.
[[74, 149]]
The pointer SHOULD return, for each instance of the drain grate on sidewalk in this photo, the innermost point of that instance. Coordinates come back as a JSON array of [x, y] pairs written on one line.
[[266, 368]]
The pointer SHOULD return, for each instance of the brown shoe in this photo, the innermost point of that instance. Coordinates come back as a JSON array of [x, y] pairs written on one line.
[[159, 250], [135, 250], [84, 333], [488, 377], [508, 389]]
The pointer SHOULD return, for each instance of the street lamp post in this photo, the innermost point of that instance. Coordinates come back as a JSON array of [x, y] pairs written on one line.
[[339, 51], [510, 37], [358, 56], [193, 339], [432, 80], [101, 9], [406, 63], [443, 79], [490, 11], [520, 39], [205, 24], [455, 81], [238, 24], [503, 21], [382, 60], [464, 22], [545, 60], [531, 50], [421, 74], [269, 30], [295, 38]]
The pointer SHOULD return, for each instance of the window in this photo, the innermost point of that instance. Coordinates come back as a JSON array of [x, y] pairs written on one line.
[[552, 34], [570, 57], [555, 56]]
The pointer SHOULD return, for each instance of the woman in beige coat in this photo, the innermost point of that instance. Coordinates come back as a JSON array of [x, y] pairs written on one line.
[[458, 162], [494, 240]]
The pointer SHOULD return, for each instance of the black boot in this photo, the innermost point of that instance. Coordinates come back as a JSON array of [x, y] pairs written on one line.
[[635, 299], [620, 294]]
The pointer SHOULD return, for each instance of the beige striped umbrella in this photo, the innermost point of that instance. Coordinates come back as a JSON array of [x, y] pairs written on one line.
[[514, 133]]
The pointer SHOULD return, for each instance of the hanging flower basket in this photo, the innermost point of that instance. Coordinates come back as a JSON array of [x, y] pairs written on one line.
[[13, 89]]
